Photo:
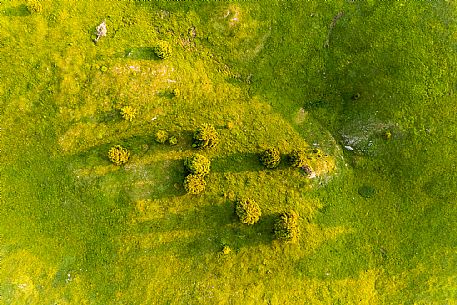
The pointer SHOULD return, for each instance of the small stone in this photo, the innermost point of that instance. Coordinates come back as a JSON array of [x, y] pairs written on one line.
[[101, 31]]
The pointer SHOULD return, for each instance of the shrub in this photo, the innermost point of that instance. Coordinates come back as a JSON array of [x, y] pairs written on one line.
[[162, 49], [387, 135], [270, 157], [161, 136], [176, 92], [206, 136], [226, 250], [197, 165], [173, 140], [248, 211], [34, 6], [128, 113], [298, 158], [118, 155], [194, 184], [286, 228]]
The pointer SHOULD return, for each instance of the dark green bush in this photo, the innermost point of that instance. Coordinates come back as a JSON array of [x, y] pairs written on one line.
[[172, 140], [34, 6], [298, 158], [286, 228], [162, 49], [205, 136], [194, 184], [197, 165], [248, 211], [176, 92], [128, 113], [118, 155], [161, 136], [270, 157]]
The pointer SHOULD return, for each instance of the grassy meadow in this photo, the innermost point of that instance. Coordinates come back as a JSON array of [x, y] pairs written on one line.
[[372, 84]]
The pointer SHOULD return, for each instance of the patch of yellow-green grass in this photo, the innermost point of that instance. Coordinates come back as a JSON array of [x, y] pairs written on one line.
[[376, 223]]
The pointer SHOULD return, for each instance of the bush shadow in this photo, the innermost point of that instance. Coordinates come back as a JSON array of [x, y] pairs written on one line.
[[217, 226], [160, 179], [17, 11], [239, 162], [146, 53], [245, 162]]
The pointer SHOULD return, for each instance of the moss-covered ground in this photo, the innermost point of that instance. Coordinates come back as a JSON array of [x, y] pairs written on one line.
[[372, 84]]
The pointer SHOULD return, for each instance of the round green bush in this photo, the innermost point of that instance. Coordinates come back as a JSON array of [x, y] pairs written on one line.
[[172, 140], [270, 157], [162, 49], [298, 158], [34, 6], [206, 136], [286, 228], [194, 184], [176, 92], [161, 136], [128, 113], [197, 165], [118, 155], [248, 211]]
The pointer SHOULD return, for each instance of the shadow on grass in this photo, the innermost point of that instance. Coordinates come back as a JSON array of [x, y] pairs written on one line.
[[239, 162], [217, 225], [146, 53], [17, 11], [332, 260], [244, 162], [157, 180]]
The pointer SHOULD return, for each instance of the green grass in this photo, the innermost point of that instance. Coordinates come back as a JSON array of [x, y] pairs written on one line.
[[379, 228]]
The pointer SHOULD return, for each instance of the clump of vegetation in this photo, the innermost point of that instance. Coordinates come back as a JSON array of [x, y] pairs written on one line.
[[298, 158], [172, 140], [128, 113], [34, 6], [161, 136], [270, 157], [387, 135], [248, 211], [286, 228], [162, 49], [118, 155], [176, 92], [316, 153], [226, 250], [206, 136], [197, 165], [194, 184]]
